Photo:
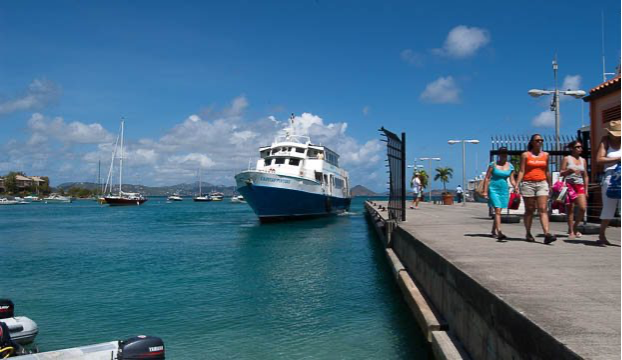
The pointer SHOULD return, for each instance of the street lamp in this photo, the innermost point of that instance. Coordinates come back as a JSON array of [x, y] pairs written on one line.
[[430, 178], [577, 94], [464, 142]]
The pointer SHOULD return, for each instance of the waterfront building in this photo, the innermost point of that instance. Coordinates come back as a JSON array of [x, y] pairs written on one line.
[[23, 182]]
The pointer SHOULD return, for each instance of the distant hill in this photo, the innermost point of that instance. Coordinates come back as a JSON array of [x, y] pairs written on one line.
[[360, 190], [182, 189]]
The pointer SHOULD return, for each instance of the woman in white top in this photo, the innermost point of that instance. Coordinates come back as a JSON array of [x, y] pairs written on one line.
[[574, 172], [608, 155]]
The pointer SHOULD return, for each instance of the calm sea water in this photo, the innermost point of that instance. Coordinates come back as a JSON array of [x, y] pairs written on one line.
[[207, 278]]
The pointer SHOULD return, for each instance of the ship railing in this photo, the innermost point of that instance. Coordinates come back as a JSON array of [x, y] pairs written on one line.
[[299, 139]]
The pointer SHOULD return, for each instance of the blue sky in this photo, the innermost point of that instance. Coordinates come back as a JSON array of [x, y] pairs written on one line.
[[198, 82]]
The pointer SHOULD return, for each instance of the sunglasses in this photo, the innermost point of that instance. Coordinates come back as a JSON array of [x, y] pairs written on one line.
[[539, 140]]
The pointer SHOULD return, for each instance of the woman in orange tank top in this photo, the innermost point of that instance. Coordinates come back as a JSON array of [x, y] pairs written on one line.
[[534, 179]]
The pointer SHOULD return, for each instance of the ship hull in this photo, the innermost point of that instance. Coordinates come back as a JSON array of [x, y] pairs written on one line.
[[123, 202], [274, 200]]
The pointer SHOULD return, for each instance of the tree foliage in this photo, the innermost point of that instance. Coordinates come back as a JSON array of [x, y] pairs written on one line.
[[444, 174]]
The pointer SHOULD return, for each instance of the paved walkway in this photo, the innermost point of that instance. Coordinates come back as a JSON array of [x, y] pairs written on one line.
[[570, 288]]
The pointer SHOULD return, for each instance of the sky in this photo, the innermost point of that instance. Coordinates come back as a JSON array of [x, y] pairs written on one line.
[[204, 84]]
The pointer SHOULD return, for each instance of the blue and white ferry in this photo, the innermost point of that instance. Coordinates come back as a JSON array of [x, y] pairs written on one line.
[[295, 179]]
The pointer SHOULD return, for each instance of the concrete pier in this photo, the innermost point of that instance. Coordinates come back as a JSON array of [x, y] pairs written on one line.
[[487, 299]]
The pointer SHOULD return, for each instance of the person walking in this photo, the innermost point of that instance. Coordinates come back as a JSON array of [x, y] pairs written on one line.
[[534, 179], [575, 174], [608, 155], [415, 183], [496, 188], [460, 194]]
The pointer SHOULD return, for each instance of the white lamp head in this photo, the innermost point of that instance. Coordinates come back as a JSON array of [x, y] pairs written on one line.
[[451, 142], [575, 93], [536, 92]]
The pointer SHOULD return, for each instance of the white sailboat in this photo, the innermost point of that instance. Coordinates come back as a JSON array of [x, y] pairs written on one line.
[[122, 198], [201, 197]]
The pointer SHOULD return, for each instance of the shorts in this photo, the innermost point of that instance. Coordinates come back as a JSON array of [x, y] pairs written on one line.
[[534, 188], [609, 205], [579, 189]]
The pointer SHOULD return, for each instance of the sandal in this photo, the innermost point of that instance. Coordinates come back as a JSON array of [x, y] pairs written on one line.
[[530, 238], [578, 234], [549, 238], [501, 236], [603, 241]]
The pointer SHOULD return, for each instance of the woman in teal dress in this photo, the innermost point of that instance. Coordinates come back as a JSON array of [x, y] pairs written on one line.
[[496, 188]]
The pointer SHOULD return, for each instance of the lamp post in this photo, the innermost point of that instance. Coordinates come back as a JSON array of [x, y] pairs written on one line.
[[430, 178], [464, 142], [577, 94]]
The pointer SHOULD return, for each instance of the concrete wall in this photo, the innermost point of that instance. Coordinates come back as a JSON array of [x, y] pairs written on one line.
[[475, 321]]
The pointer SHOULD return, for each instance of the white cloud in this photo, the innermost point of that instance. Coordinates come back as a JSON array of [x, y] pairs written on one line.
[[77, 132], [572, 82], [221, 147], [546, 118], [238, 105], [411, 57], [443, 90], [463, 41], [40, 93]]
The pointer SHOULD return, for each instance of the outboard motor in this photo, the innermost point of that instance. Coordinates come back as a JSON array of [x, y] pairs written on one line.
[[7, 309], [23, 330], [141, 347]]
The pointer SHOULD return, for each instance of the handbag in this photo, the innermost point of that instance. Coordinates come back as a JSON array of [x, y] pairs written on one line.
[[514, 201], [613, 188]]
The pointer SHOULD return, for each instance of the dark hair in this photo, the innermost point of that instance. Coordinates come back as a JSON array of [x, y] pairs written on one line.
[[502, 150], [530, 145], [572, 144]]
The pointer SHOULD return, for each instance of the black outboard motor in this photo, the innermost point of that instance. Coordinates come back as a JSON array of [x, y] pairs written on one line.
[[141, 347], [7, 309]]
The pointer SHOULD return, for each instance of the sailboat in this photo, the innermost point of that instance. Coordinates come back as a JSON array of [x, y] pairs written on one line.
[[201, 197], [122, 198]]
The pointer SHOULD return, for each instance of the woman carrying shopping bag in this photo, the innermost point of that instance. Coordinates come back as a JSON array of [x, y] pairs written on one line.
[[575, 175]]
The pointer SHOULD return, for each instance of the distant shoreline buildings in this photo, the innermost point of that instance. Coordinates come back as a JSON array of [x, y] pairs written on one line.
[[22, 182]]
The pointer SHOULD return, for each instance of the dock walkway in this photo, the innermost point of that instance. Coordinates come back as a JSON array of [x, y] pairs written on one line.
[[540, 300]]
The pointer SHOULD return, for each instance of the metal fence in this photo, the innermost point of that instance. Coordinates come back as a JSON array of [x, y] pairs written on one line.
[[517, 144], [396, 158]]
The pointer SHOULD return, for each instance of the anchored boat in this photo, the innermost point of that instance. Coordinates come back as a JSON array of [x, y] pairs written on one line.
[[122, 198], [21, 329], [295, 179]]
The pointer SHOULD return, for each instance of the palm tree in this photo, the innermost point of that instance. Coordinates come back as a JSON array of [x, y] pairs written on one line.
[[444, 174]]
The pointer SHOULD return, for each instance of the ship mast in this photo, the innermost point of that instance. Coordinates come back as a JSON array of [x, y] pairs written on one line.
[[121, 160]]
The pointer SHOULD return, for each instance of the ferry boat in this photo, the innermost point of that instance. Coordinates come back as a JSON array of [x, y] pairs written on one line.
[[295, 179], [56, 198]]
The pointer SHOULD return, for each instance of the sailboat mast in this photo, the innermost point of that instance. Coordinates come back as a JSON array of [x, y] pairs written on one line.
[[121, 159], [99, 174], [200, 181]]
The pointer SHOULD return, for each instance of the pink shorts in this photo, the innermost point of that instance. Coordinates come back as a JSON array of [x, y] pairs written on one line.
[[579, 189]]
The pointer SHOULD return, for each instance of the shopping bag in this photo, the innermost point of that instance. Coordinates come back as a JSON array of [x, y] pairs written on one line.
[[514, 201], [480, 188], [560, 191], [613, 188]]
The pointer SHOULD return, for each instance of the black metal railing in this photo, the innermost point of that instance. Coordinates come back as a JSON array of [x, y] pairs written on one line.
[[517, 144], [396, 157]]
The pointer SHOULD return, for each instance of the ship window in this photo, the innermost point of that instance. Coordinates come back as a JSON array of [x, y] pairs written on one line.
[[268, 162], [279, 161], [339, 183], [294, 162], [300, 150], [318, 176]]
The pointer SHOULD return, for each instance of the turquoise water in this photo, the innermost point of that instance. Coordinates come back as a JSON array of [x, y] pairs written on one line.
[[207, 278]]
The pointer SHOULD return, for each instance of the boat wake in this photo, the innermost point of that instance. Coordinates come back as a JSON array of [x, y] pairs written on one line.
[[347, 213]]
